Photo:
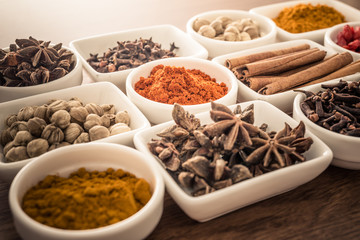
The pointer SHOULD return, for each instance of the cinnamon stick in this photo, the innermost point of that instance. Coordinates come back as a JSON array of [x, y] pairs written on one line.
[[279, 64], [350, 69], [324, 68], [233, 62]]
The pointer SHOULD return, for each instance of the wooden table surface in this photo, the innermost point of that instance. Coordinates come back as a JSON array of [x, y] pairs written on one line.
[[327, 207]]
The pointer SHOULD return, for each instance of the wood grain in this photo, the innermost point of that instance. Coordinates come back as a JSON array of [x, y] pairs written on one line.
[[327, 207]]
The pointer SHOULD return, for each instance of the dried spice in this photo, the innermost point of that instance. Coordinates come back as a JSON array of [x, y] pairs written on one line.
[[86, 200], [349, 38], [336, 108], [307, 17], [130, 54], [31, 62], [204, 158], [168, 84], [38, 129], [227, 29]]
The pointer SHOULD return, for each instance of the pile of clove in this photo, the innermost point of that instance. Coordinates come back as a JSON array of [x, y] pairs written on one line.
[[336, 108], [129, 54], [205, 158], [31, 62]]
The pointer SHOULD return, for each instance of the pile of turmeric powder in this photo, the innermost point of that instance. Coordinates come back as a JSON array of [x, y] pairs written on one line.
[[307, 17], [86, 200]]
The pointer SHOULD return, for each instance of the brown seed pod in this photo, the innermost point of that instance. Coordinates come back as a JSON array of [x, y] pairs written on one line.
[[61, 119], [36, 125], [37, 147]]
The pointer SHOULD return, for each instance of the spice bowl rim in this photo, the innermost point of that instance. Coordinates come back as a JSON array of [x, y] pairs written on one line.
[[204, 208], [332, 139], [223, 47], [151, 211], [315, 35], [119, 77], [330, 39], [8, 170], [178, 62], [282, 100], [74, 77]]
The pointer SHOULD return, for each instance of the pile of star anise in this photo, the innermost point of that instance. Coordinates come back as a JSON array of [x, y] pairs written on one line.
[[204, 158], [31, 62]]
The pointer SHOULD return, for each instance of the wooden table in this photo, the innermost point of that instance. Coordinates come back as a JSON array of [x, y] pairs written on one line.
[[327, 207]]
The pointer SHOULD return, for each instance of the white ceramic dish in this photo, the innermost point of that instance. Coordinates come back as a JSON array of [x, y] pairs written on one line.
[[160, 112], [73, 78], [282, 100], [100, 93], [163, 34], [92, 156], [330, 39], [271, 11], [220, 47], [207, 207], [345, 148]]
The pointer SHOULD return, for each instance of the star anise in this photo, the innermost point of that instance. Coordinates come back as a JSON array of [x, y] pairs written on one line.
[[31, 62], [283, 148], [233, 125]]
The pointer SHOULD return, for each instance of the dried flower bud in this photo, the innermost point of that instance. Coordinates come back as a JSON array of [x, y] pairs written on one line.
[[108, 108], [16, 154], [91, 121], [8, 146], [207, 31], [22, 138], [98, 132], [219, 37], [17, 126], [230, 36], [36, 126], [119, 128], [5, 137], [231, 29], [94, 108], [25, 113], [200, 22], [236, 24], [247, 22], [40, 112], [78, 114], [58, 145], [72, 132], [83, 138], [11, 119], [37, 147], [225, 20], [56, 106], [52, 134], [61, 119], [217, 25], [122, 117]]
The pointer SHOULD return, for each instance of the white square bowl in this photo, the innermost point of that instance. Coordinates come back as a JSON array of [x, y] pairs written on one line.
[[72, 79], [346, 149], [283, 100], [272, 11], [220, 202], [162, 34], [100, 93]]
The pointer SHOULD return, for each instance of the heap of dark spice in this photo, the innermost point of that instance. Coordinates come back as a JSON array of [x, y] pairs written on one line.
[[205, 158], [32, 62], [129, 54], [336, 108]]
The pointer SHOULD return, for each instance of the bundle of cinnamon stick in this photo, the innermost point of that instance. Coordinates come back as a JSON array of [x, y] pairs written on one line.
[[284, 69]]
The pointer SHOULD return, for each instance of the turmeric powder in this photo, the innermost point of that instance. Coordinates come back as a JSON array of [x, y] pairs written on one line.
[[306, 17], [86, 200], [167, 84]]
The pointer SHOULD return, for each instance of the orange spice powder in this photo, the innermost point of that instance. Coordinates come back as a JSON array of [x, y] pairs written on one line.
[[169, 84]]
